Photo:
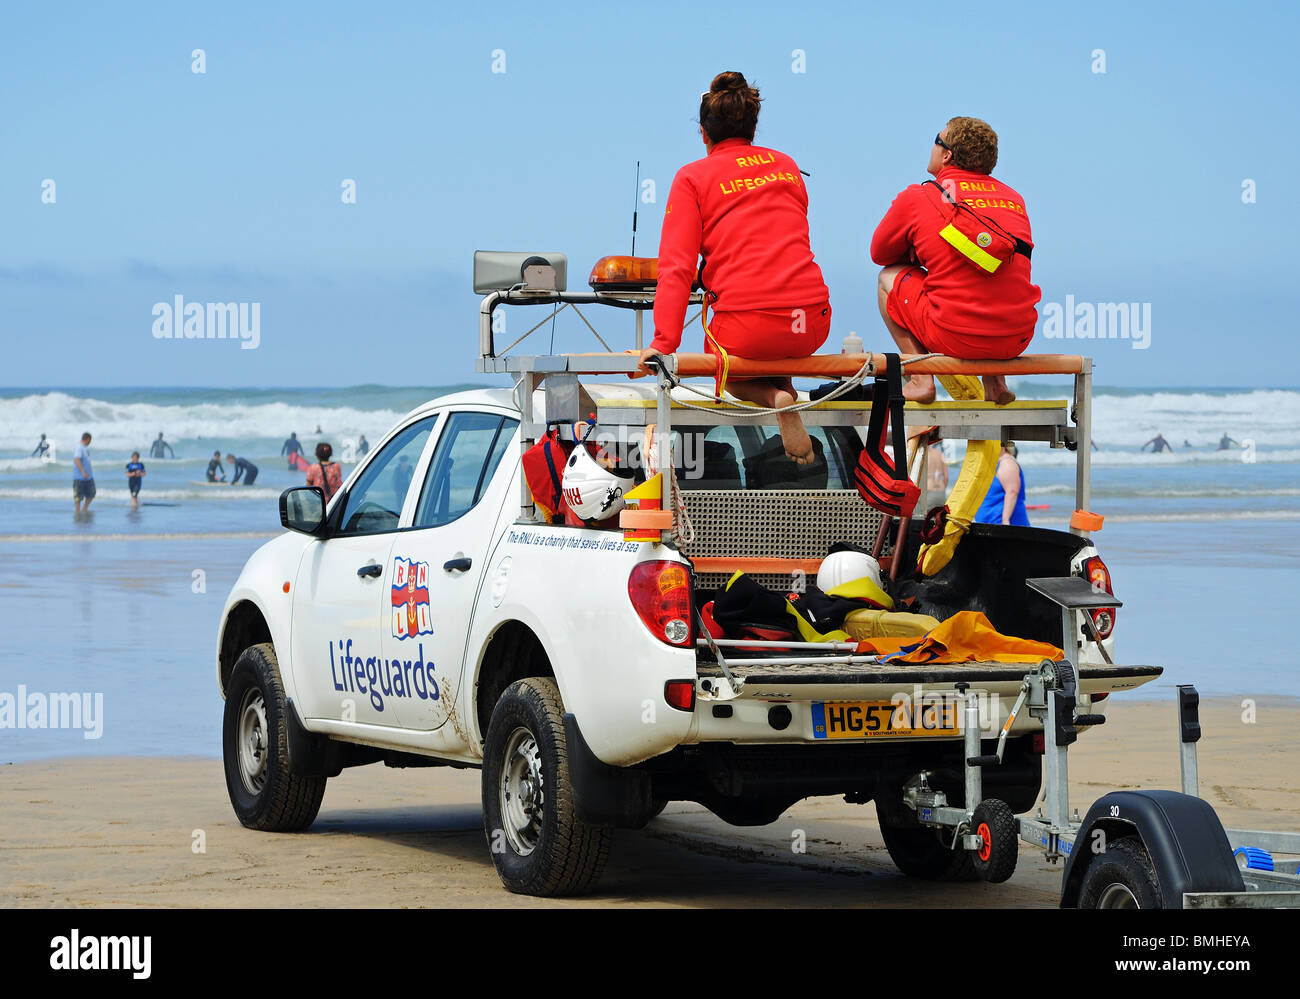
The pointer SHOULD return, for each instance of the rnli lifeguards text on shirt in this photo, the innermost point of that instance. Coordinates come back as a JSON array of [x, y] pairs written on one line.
[[748, 183]]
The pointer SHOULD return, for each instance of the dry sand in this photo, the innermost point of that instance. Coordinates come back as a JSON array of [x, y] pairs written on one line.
[[125, 832]]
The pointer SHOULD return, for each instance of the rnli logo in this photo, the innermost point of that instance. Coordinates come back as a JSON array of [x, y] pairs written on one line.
[[411, 615], [984, 239]]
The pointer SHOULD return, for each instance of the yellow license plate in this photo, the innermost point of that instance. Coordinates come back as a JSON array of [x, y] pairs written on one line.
[[884, 719]]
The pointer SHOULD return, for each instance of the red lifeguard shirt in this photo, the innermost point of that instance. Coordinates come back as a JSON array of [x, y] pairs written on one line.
[[745, 209], [964, 298]]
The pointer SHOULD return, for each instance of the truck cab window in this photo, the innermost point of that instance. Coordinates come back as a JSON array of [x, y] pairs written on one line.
[[467, 456], [374, 504]]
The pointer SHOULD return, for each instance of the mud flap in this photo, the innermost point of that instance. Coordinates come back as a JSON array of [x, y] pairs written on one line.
[[605, 795]]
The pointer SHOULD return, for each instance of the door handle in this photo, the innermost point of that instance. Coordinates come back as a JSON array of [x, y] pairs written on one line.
[[458, 564], [371, 570]]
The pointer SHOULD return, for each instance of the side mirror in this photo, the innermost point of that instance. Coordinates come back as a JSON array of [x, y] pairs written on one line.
[[302, 509]]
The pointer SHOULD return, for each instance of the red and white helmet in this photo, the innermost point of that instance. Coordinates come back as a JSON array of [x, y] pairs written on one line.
[[592, 491]]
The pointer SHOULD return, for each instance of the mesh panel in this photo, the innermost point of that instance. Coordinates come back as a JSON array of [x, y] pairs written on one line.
[[710, 582], [778, 523]]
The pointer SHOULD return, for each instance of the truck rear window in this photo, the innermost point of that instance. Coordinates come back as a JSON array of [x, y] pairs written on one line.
[[752, 457]]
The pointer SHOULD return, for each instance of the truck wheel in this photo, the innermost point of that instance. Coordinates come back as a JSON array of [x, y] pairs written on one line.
[[1120, 878], [538, 843], [995, 824], [255, 742], [919, 852]]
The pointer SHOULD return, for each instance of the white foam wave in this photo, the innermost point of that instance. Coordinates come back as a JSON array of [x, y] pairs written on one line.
[[131, 426]]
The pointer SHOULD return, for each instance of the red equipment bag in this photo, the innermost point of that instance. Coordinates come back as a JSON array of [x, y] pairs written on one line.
[[544, 472]]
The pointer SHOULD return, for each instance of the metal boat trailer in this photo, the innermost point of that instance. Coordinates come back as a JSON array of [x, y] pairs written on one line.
[[1133, 849]]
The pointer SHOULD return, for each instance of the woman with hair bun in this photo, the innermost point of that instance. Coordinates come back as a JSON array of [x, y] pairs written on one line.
[[744, 209]]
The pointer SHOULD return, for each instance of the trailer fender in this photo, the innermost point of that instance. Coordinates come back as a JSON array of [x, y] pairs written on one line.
[[1182, 835]]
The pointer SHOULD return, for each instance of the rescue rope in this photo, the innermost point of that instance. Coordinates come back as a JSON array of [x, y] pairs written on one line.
[[683, 528]]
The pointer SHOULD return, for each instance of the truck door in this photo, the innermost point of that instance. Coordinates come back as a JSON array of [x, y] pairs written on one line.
[[341, 598], [438, 562]]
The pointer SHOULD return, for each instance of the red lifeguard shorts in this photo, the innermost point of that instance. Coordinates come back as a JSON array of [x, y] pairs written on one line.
[[771, 334], [908, 306]]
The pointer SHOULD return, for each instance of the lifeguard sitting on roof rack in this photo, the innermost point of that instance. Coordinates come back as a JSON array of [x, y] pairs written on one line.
[[956, 253], [745, 209]]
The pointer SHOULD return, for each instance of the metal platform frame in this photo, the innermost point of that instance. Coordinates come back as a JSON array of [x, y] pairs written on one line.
[[1035, 420]]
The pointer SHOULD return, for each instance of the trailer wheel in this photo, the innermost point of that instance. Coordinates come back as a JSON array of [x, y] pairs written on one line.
[[538, 843], [1120, 878], [995, 824], [920, 852]]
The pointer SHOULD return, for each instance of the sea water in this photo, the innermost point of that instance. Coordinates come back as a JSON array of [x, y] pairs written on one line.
[[1203, 545]]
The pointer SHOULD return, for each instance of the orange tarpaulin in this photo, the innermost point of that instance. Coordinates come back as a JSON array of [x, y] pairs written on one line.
[[965, 637]]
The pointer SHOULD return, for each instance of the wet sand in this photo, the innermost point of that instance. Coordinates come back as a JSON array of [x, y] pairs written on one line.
[[127, 832]]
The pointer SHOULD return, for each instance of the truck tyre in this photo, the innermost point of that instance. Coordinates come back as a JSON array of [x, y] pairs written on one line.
[[538, 843], [1120, 878], [263, 791], [919, 852], [995, 824]]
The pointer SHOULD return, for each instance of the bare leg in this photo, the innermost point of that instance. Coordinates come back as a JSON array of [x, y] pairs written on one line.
[[775, 393], [918, 388]]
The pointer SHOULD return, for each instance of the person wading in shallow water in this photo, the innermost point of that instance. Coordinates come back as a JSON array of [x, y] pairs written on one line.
[[744, 208], [325, 474]]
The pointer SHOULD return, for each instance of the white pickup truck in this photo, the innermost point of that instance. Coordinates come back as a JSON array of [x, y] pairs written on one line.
[[428, 616]]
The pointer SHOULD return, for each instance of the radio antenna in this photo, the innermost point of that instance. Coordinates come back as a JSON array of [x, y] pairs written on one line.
[[636, 195]]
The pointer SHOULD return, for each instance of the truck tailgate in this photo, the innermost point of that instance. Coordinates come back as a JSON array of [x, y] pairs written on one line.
[[858, 681]]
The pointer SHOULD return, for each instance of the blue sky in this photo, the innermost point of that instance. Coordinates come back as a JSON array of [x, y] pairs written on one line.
[[225, 186]]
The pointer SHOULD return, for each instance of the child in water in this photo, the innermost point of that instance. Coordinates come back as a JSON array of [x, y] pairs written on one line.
[[134, 476]]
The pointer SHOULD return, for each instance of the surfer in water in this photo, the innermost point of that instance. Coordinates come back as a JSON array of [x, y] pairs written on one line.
[[159, 448], [42, 446], [214, 468], [245, 470], [1226, 443], [1159, 444], [291, 447]]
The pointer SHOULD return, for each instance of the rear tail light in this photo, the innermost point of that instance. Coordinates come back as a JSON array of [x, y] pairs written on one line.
[[1096, 573], [661, 595]]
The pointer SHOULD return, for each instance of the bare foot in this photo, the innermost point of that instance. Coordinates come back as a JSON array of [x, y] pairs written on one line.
[[798, 445], [919, 388], [996, 390]]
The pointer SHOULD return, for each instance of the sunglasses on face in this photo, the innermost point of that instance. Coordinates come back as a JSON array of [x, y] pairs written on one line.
[[939, 142]]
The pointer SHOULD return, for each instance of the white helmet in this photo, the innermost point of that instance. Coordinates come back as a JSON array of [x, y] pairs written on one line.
[[593, 492], [842, 567]]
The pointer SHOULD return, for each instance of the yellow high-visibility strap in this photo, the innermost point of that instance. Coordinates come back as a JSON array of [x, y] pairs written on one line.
[[963, 245], [724, 359]]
